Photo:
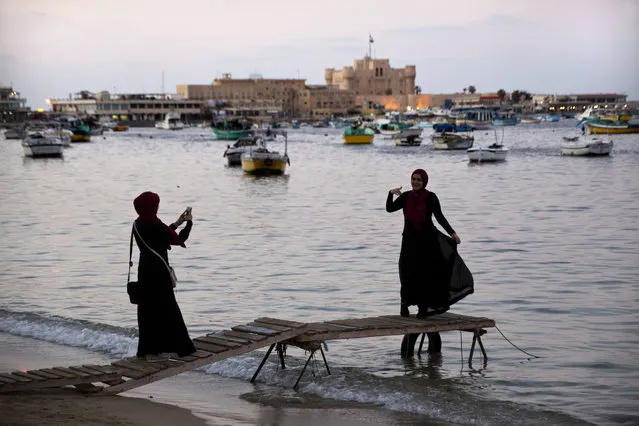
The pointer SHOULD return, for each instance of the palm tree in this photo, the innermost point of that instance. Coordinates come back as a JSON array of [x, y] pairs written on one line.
[[472, 89], [418, 90], [465, 90]]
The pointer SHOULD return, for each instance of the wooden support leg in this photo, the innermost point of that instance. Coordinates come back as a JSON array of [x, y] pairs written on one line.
[[303, 369], [472, 349], [421, 344], [262, 363], [434, 343], [325, 363], [481, 346], [477, 338], [280, 353]]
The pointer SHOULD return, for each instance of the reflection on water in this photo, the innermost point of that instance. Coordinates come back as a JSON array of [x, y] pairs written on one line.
[[552, 242]]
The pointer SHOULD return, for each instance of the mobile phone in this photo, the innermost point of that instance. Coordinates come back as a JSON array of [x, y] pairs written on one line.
[[187, 211]]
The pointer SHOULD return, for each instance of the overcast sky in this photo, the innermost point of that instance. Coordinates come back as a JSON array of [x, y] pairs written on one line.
[[50, 48]]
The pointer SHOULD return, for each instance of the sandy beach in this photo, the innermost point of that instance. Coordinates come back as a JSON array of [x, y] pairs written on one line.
[[190, 399]]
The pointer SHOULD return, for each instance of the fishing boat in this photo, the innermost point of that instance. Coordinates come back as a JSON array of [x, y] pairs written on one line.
[[15, 133], [494, 152], [479, 118], [172, 121], [452, 141], [584, 146], [64, 135], [233, 153], [530, 120], [260, 161], [612, 127], [505, 119], [81, 132], [357, 134], [231, 129], [41, 143], [411, 140]]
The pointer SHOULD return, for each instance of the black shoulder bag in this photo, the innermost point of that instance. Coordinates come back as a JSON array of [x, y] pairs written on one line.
[[132, 287]]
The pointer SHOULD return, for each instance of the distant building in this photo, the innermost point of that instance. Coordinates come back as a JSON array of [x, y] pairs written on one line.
[[138, 108], [578, 102], [323, 102], [374, 82], [13, 107]]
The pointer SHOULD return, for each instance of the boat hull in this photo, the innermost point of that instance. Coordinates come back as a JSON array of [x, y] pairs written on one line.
[[231, 135], [610, 129], [358, 139], [598, 148], [258, 165], [505, 122], [481, 154], [43, 149], [81, 137]]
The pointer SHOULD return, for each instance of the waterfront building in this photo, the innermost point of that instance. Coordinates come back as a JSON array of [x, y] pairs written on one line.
[[142, 109], [13, 107], [324, 102], [577, 103]]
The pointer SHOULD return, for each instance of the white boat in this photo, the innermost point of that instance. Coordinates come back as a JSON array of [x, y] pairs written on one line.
[[172, 121], [15, 133], [65, 135], [233, 153], [451, 141], [583, 146], [494, 152], [41, 144], [409, 137]]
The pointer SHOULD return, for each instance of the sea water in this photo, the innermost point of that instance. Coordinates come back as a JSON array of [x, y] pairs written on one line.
[[552, 242]]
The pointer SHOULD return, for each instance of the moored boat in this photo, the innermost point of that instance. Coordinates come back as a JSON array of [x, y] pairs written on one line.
[[260, 161], [172, 121], [42, 144], [584, 146], [494, 152], [451, 141], [233, 153], [81, 131], [611, 127], [505, 119], [357, 134], [15, 133], [231, 129]]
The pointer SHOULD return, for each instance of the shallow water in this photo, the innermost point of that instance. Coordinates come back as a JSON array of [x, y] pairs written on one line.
[[552, 242]]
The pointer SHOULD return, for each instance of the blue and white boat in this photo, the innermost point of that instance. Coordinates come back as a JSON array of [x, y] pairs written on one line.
[[505, 119]]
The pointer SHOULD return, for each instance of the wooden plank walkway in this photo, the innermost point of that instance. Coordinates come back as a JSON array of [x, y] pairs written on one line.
[[130, 373]]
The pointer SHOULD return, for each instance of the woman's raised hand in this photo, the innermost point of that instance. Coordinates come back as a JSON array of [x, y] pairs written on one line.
[[396, 191]]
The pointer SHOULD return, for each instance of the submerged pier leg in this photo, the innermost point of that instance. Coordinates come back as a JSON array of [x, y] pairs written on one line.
[[280, 353], [270, 349], [303, 369], [409, 340]]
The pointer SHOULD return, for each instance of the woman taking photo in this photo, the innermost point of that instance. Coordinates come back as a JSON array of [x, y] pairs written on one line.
[[162, 329]]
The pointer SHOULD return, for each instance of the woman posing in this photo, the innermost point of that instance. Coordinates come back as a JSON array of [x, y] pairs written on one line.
[[422, 270], [162, 328]]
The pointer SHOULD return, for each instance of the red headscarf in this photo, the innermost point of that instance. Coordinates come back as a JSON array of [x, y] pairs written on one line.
[[147, 204], [416, 203]]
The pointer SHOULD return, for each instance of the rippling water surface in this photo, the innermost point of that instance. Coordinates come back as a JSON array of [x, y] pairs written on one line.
[[552, 242]]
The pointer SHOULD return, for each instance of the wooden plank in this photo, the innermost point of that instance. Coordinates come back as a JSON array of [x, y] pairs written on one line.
[[84, 370], [186, 366], [223, 335], [208, 346], [58, 373], [145, 367], [277, 321], [223, 342], [419, 327], [14, 378], [251, 337], [44, 374], [72, 373], [269, 326], [214, 342], [257, 330], [4, 379], [106, 369], [27, 376], [54, 383]]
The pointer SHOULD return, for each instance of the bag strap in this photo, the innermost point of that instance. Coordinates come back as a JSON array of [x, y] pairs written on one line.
[[128, 276], [147, 246]]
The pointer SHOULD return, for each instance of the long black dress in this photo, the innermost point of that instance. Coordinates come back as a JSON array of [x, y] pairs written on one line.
[[160, 321], [423, 272]]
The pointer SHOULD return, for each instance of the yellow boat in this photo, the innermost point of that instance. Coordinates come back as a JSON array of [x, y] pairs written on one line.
[[611, 129], [80, 138], [261, 161], [120, 128], [358, 135]]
